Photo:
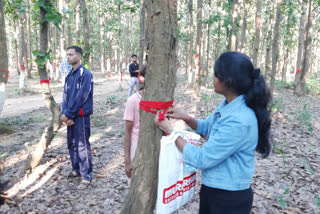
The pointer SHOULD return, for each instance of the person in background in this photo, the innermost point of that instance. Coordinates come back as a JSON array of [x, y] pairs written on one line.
[[131, 117], [239, 126], [65, 68], [134, 71]]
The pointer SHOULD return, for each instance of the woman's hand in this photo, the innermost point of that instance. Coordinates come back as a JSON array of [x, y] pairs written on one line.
[[176, 114], [164, 124]]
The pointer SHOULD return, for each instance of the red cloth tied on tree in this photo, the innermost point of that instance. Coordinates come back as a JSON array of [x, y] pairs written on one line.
[[22, 67], [150, 105], [45, 81], [298, 71]]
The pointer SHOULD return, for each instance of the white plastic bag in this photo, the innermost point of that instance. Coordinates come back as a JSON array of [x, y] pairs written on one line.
[[176, 181]]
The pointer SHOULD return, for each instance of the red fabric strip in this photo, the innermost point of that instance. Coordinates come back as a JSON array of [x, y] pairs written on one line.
[[45, 81], [81, 112], [121, 76], [150, 105], [298, 71]]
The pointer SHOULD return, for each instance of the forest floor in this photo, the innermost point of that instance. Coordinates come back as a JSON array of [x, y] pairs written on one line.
[[288, 181]]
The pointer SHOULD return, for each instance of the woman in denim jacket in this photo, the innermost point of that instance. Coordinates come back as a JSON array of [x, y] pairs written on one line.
[[239, 126]]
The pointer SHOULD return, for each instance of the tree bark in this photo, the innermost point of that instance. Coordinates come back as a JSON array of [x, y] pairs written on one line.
[[301, 76], [142, 40], [190, 73], [160, 84], [257, 36], [119, 71], [29, 68], [275, 45], [86, 33], [208, 47], [21, 51], [4, 60], [101, 20], [301, 38], [234, 25], [197, 81], [51, 130], [217, 53], [78, 2]]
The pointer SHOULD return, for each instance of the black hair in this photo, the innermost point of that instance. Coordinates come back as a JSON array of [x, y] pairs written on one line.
[[76, 48], [238, 73], [133, 55], [143, 71]]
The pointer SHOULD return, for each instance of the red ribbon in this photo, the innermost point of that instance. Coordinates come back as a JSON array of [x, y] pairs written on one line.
[[197, 55], [45, 81], [22, 67], [298, 71], [149, 105], [121, 76], [139, 77]]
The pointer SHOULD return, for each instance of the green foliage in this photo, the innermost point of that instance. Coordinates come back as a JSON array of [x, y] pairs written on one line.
[[277, 105], [5, 129], [318, 202], [305, 117], [41, 59], [284, 199], [313, 84], [52, 14]]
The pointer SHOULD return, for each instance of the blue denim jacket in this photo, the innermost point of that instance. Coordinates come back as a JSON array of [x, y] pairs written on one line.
[[227, 158], [78, 93]]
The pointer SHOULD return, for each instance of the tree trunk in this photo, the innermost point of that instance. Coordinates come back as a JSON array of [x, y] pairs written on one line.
[[142, 40], [257, 36], [208, 47], [275, 45], [244, 28], [101, 21], [234, 25], [21, 52], [190, 73], [86, 55], [69, 40], [301, 76], [217, 54], [197, 81], [51, 130], [29, 69], [160, 84], [119, 71], [3, 59], [78, 21], [301, 39]]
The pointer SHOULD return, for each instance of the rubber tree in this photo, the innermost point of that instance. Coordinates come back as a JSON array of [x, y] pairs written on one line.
[[42, 56], [160, 84], [3, 59]]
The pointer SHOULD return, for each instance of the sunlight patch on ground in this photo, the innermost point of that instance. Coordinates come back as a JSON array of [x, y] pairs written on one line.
[[112, 111], [42, 181], [28, 179], [109, 168]]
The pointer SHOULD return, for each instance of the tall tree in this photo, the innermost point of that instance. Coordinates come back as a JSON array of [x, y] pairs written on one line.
[[234, 25], [257, 36], [78, 6], [142, 41], [300, 79], [101, 23], [244, 27], [208, 44], [86, 56], [197, 81], [160, 84], [51, 130], [3, 59], [190, 73], [22, 48], [275, 45]]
